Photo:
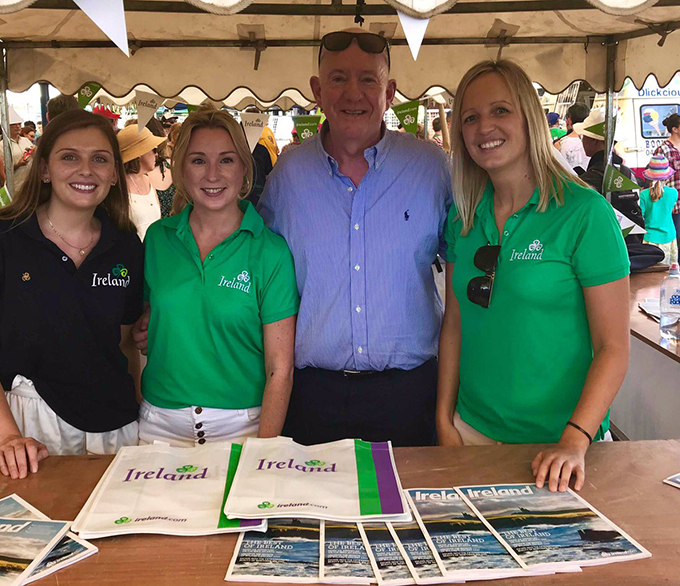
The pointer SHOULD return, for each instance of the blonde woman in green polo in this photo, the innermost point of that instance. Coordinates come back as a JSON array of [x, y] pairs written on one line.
[[223, 298], [534, 344]]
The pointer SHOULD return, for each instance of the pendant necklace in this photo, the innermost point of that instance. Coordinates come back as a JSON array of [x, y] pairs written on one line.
[[80, 250]]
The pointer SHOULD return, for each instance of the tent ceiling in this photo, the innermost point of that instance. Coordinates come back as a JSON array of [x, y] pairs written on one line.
[[176, 44]]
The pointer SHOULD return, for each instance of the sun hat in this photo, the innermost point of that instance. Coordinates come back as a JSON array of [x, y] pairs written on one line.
[[595, 117], [658, 169], [102, 110], [134, 144]]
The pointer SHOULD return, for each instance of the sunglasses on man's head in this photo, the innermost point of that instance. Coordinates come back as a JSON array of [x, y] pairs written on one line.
[[479, 288], [368, 42]]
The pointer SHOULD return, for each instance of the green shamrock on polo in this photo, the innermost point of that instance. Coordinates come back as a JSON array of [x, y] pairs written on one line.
[[187, 468], [265, 505], [314, 463], [119, 270], [123, 520]]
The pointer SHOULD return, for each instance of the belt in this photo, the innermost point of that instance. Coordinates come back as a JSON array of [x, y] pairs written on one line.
[[358, 373]]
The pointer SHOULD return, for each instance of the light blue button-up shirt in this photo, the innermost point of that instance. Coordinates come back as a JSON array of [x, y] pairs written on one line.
[[363, 255]]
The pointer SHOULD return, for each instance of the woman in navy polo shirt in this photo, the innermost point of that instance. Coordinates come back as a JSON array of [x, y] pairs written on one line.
[[71, 287], [534, 343]]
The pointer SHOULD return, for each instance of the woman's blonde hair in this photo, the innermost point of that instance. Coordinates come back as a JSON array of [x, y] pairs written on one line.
[[208, 117], [470, 180]]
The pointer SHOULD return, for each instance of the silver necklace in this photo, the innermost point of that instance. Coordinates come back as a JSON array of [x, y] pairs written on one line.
[[80, 250]]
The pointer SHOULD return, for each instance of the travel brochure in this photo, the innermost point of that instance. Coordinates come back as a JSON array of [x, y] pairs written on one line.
[[69, 550], [458, 534], [157, 488]]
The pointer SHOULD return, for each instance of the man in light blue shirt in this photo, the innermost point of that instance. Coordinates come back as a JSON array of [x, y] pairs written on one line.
[[363, 211]]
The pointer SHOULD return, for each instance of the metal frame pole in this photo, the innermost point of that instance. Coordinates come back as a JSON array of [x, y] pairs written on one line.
[[609, 111], [4, 115]]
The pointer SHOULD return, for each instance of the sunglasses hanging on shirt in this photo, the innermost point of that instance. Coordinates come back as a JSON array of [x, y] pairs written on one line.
[[368, 42], [479, 288]]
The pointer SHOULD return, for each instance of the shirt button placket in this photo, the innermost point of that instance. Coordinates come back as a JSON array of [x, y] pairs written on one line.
[[358, 278]]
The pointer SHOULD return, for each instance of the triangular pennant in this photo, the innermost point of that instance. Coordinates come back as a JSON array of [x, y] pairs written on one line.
[[253, 124], [147, 104], [407, 114], [306, 126], [87, 92], [414, 31], [4, 197], [109, 16], [627, 225], [614, 180], [598, 129], [14, 117]]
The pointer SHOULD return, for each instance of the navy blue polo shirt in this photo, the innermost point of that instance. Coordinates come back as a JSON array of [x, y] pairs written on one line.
[[60, 325]]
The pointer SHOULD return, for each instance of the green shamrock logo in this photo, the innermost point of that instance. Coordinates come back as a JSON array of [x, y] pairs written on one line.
[[119, 270], [187, 468], [123, 520], [314, 463], [265, 505]]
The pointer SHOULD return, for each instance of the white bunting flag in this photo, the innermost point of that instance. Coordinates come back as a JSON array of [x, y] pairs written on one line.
[[147, 104], [414, 29], [109, 16], [253, 124]]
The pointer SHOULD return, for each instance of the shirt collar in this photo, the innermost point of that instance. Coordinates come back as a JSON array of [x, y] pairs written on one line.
[[252, 221], [486, 203], [108, 234], [375, 155]]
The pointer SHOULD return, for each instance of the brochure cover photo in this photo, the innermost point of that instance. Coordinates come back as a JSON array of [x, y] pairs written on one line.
[[388, 563], [542, 527], [287, 552], [68, 551], [157, 488], [345, 560], [23, 544], [346, 480]]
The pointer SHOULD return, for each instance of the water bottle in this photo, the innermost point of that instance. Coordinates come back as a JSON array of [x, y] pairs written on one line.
[[670, 305]]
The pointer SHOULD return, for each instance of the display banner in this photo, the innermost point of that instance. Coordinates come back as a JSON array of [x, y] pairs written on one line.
[[346, 480], [407, 114], [87, 92], [147, 105], [109, 16], [306, 126], [254, 125], [161, 489]]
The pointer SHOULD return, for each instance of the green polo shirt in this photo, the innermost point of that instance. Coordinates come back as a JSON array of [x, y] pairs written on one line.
[[205, 332], [524, 360]]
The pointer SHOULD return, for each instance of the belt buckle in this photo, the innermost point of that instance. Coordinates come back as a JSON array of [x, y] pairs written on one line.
[[356, 373]]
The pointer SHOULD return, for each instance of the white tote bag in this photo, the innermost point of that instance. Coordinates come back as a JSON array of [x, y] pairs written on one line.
[[161, 489], [346, 480]]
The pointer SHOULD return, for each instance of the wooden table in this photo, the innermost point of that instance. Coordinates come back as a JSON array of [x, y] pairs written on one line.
[[623, 482], [648, 404]]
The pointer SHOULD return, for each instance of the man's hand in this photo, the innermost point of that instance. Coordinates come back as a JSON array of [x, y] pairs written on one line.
[[140, 331], [19, 454]]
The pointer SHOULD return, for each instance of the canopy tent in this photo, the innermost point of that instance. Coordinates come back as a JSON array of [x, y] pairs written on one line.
[[268, 48]]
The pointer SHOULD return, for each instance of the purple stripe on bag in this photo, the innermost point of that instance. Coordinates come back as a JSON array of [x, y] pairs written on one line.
[[250, 522], [388, 488]]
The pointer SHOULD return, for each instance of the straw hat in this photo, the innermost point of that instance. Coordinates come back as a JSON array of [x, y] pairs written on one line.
[[658, 169], [134, 144]]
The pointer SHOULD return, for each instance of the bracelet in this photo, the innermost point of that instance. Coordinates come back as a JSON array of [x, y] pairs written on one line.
[[583, 431]]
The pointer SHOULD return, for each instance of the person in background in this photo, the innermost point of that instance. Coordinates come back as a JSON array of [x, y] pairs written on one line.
[[223, 298], [534, 344], [29, 133], [669, 149], [22, 149], [173, 133], [556, 133], [570, 146], [59, 104], [262, 168], [161, 176], [437, 135], [657, 205], [294, 141], [138, 150], [107, 113], [169, 119], [71, 287]]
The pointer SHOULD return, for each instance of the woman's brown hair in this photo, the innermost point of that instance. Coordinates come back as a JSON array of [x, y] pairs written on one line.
[[34, 192]]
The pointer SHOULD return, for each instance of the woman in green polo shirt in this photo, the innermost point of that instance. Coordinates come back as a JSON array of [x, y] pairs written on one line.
[[534, 344], [223, 299]]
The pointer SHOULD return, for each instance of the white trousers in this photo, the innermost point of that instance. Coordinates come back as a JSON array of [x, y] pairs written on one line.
[[36, 419], [192, 426], [472, 437]]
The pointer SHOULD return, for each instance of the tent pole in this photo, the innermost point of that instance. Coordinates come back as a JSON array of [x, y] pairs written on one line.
[[4, 116], [609, 111]]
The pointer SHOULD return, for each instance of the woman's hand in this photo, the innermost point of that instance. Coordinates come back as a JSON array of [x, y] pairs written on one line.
[[448, 435], [18, 454], [559, 463]]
